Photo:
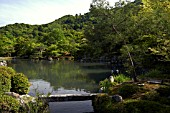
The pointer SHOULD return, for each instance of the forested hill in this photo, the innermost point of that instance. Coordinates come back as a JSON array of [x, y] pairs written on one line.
[[132, 35], [63, 36]]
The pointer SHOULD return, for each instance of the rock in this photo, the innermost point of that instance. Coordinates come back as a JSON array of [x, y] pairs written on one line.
[[13, 94], [3, 63], [101, 90], [117, 98], [50, 58], [142, 84], [27, 98], [111, 78]]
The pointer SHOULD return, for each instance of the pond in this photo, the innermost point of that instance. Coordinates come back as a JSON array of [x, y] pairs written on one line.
[[61, 77]]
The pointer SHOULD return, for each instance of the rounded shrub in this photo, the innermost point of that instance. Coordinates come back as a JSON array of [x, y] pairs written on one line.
[[140, 106], [5, 82], [128, 90], [8, 70], [102, 103], [20, 84], [152, 96], [121, 78], [164, 91], [9, 104], [5, 78]]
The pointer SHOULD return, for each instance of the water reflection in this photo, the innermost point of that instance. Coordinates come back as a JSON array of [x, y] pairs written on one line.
[[60, 77]]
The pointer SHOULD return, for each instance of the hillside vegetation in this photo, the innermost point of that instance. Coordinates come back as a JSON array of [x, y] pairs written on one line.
[[133, 36]]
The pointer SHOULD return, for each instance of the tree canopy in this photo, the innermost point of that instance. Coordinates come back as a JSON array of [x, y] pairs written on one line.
[[132, 35]]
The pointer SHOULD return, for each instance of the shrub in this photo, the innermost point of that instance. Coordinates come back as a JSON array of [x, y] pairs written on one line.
[[102, 104], [5, 82], [20, 84], [164, 100], [128, 90], [140, 106], [164, 91], [9, 104], [121, 78], [152, 74], [5, 78], [152, 96], [8, 70], [105, 85], [40, 106]]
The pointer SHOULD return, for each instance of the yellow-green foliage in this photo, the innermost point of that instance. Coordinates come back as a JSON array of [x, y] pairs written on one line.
[[5, 81], [105, 84], [20, 83], [121, 78], [8, 70], [12, 81], [8, 104], [5, 78]]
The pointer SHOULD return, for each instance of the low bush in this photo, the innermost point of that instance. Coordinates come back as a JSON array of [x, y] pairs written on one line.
[[20, 84], [164, 91], [127, 90], [164, 100], [5, 78], [121, 78], [102, 104], [8, 70], [153, 74], [9, 104], [5, 82], [40, 106], [140, 106], [152, 96], [105, 85]]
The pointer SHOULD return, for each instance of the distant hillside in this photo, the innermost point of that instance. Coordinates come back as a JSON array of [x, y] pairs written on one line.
[[55, 39]]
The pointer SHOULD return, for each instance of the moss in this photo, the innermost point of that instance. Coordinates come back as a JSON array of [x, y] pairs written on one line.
[[140, 106], [164, 91], [102, 104], [127, 90]]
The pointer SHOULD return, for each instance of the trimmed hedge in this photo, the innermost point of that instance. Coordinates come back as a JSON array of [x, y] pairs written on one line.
[[5, 82], [9, 104], [8, 70], [20, 84], [5, 78], [12, 81]]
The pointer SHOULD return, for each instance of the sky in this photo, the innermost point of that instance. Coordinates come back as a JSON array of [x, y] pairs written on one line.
[[40, 11]]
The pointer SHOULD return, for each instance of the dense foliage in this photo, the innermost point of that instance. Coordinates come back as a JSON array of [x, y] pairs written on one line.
[[149, 98], [133, 36], [20, 84], [9, 104], [15, 82], [5, 78], [12, 81]]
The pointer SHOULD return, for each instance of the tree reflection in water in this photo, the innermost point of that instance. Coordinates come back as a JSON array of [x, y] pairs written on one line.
[[62, 76]]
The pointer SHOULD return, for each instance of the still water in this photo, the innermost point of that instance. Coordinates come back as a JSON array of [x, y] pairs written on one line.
[[61, 77]]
